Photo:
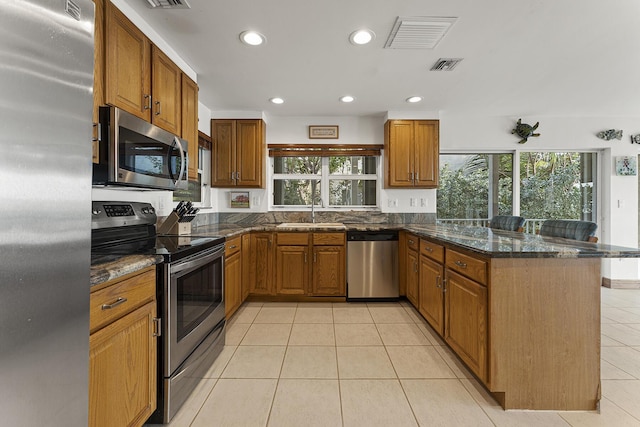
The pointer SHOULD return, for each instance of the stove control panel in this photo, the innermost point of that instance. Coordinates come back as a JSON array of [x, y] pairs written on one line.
[[119, 214]]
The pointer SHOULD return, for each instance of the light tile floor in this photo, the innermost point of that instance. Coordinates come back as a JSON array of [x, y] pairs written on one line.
[[380, 364]]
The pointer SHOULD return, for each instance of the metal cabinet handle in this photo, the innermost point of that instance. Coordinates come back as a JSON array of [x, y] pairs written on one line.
[[157, 327], [438, 283], [233, 246], [98, 136], [415, 267], [444, 285], [411, 242], [158, 108], [305, 257], [117, 302], [428, 249], [315, 257], [460, 264], [147, 105], [416, 177]]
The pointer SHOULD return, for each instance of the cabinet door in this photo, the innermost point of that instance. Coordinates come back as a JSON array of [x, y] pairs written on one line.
[[261, 266], [399, 153], [292, 270], [166, 81], [223, 152], [246, 262], [98, 73], [249, 153], [190, 123], [122, 370], [233, 284], [328, 271], [466, 321], [128, 65], [412, 278], [431, 293], [427, 152]]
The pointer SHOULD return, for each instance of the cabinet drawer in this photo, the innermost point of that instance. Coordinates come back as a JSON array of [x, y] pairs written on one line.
[[232, 246], [293, 239], [413, 242], [432, 250], [328, 238], [122, 297], [473, 268]]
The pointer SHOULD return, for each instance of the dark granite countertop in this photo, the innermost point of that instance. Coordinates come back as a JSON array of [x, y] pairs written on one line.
[[481, 240]]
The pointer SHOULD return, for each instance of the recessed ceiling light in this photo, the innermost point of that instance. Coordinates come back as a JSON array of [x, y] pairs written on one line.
[[277, 100], [252, 38], [347, 98], [363, 36], [414, 99]]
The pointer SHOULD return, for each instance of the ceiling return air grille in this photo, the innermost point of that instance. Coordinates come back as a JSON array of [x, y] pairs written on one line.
[[418, 32], [169, 4], [445, 64]]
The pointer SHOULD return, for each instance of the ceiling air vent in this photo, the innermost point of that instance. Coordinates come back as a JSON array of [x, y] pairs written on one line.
[[446, 64], [168, 4], [418, 32]]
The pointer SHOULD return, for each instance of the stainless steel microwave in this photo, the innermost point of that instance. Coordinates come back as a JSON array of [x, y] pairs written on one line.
[[136, 153]]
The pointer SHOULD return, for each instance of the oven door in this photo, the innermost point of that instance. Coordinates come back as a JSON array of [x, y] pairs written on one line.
[[194, 304]]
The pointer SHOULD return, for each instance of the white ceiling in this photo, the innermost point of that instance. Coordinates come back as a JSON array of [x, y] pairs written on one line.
[[526, 57]]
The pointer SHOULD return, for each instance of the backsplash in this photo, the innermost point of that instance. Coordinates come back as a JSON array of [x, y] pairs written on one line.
[[351, 217]]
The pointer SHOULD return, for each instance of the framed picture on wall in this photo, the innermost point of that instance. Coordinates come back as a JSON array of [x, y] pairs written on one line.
[[626, 165], [239, 199], [323, 132]]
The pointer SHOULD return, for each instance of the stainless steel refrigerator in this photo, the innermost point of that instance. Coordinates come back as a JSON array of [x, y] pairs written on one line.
[[46, 83]]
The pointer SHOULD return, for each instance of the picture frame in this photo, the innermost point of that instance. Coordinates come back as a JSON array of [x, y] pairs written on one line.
[[626, 166], [323, 132], [239, 199]]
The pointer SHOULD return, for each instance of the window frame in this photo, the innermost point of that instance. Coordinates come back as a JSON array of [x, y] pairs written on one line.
[[597, 192], [325, 177]]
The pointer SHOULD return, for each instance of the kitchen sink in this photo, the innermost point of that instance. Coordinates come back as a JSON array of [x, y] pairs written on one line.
[[306, 225]]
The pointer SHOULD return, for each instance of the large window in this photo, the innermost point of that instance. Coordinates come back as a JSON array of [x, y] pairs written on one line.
[[552, 185], [475, 186], [335, 181], [558, 185]]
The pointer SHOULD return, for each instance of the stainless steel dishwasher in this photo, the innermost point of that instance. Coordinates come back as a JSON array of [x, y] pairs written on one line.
[[372, 265]]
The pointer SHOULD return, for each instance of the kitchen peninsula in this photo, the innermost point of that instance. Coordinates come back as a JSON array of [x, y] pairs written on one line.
[[522, 311]]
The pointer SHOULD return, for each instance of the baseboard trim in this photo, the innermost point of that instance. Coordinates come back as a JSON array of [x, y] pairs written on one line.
[[620, 283]]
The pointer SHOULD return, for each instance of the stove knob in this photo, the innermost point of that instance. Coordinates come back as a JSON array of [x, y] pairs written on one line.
[[145, 210], [96, 211], [152, 210]]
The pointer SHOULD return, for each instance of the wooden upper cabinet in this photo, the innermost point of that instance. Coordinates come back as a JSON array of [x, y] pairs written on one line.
[[98, 72], [411, 153], [166, 81], [190, 123], [250, 139], [427, 152], [237, 155], [127, 65], [223, 153]]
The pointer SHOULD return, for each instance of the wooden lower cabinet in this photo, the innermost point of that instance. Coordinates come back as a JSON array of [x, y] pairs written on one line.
[[431, 294], [261, 264], [329, 273], [466, 321], [412, 277], [233, 276], [301, 264], [292, 270], [122, 352]]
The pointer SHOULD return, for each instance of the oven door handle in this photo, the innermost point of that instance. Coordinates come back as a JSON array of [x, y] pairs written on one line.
[[197, 260]]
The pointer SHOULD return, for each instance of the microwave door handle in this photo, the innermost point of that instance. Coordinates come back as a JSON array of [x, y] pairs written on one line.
[[182, 160]]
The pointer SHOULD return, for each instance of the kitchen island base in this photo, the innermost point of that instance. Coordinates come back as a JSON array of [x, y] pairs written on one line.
[[544, 333]]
